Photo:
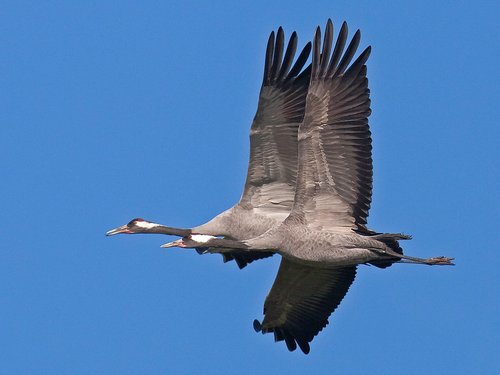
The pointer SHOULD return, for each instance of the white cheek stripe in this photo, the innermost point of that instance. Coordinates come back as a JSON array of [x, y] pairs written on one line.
[[146, 225], [201, 237]]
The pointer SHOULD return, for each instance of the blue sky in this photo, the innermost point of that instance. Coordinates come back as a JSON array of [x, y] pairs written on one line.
[[112, 111]]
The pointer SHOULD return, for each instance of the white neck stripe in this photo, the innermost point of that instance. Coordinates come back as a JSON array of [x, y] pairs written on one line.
[[146, 225], [201, 237]]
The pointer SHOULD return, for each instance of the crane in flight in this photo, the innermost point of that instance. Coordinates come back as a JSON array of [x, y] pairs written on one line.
[[324, 237]]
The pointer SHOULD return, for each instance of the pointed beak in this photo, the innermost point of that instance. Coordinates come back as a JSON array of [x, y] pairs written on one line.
[[177, 243], [122, 229]]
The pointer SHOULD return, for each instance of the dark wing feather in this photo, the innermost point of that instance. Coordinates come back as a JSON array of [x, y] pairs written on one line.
[[242, 259], [334, 182], [301, 300], [272, 169]]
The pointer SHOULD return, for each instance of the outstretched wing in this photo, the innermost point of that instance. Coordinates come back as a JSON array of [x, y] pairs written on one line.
[[301, 300], [334, 182], [272, 169]]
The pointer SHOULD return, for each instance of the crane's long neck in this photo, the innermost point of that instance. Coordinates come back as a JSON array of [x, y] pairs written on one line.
[[141, 226], [213, 244], [162, 229], [224, 244]]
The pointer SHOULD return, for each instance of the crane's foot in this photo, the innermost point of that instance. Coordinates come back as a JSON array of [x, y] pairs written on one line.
[[441, 261], [434, 261]]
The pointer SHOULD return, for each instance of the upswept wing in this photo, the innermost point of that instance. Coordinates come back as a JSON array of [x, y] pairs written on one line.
[[301, 300], [333, 192], [334, 182], [272, 169]]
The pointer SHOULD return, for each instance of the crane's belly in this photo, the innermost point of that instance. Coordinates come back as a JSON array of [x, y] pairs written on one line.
[[337, 257]]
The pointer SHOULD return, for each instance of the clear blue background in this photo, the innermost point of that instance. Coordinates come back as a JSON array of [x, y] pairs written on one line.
[[113, 110]]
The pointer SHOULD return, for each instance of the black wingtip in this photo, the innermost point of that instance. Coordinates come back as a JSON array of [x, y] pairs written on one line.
[[288, 58], [278, 335], [289, 341], [269, 58], [240, 262], [278, 54], [367, 51], [338, 49], [301, 60], [316, 53], [201, 250], [303, 345], [359, 65], [327, 45], [257, 326]]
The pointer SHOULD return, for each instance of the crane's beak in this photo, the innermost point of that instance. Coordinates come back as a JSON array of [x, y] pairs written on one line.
[[122, 229], [178, 243]]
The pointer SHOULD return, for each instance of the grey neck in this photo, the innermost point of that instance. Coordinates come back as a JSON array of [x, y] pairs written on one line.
[[161, 229]]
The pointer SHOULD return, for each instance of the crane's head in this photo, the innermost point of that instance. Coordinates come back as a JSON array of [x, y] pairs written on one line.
[[198, 241], [137, 225]]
